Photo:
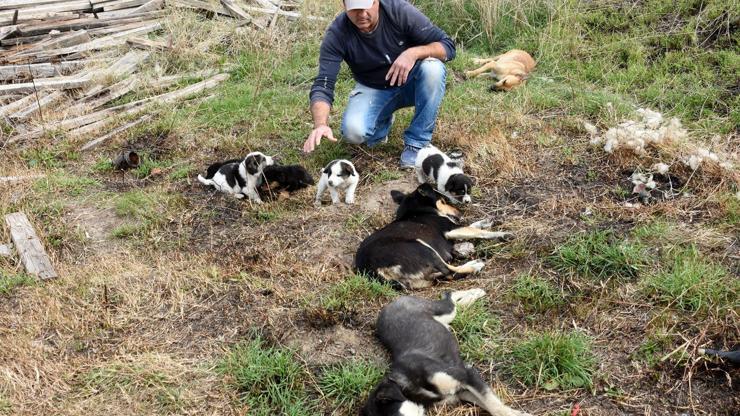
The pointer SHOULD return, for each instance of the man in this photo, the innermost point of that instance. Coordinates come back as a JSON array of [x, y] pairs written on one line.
[[396, 56]]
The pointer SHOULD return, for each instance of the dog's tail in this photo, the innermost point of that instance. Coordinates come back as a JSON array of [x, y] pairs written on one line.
[[436, 253], [205, 181]]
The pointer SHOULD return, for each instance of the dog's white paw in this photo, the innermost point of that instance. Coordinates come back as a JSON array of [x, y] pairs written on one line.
[[498, 235], [349, 201], [239, 196], [482, 224], [466, 297], [476, 265]]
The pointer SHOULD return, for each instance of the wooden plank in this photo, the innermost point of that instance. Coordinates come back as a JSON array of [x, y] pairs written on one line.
[[28, 29], [128, 63], [29, 247], [149, 6], [113, 5], [96, 142], [289, 15], [108, 41], [18, 4], [43, 101], [201, 5], [64, 41], [56, 83], [235, 10], [98, 98], [13, 179], [44, 11], [44, 70], [7, 31], [143, 43], [17, 105]]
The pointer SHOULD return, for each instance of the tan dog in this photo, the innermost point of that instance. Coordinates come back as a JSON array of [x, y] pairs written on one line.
[[511, 69]]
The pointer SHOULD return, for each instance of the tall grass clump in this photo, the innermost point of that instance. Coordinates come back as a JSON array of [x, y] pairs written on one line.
[[270, 380], [694, 284], [598, 255], [475, 328], [536, 293], [554, 361], [347, 384]]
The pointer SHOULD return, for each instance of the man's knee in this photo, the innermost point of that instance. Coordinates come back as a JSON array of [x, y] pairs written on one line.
[[432, 72], [354, 130]]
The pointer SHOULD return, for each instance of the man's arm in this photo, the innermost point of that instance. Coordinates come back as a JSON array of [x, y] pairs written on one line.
[[322, 91], [399, 71]]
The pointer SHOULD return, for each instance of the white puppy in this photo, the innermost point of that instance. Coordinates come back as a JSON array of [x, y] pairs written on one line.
[[238, 177], [435, 167], [338, 175]]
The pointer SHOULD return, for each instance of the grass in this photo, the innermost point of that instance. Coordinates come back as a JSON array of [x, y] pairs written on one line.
[[64, 183], [475, 328], [347, 384], [351, 292], [270, 380], [536, 293], [554, 361], [599, 255], [694, 284], [9, 282]]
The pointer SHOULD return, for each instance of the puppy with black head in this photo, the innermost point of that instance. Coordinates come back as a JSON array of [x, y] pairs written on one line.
[[426, 365], [238, 177], [290, 178], [338, 175], [435, 167]]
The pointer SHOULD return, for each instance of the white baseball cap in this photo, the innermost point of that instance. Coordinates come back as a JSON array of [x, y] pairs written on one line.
[[358, 4]]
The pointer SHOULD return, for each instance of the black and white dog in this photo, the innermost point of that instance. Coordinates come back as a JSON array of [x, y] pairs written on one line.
[[338, 175], [291, 177], [435, 167], [413, 251], [427, 367], [238, 177]]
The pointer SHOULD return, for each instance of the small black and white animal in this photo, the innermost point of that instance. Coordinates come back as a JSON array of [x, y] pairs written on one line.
[[426, 365], [338, 175], [238, 177], [415, 249], [435, 167], [290, 178]]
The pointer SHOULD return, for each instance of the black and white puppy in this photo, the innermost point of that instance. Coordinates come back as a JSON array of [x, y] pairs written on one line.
[[435, 167], [291, 177], [238, 177], [427, 367], [338, 175]]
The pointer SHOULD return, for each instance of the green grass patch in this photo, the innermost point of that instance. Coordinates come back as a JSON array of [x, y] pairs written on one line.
[[140, 205], [386, 175], [45, 158], [599, 255], [692, 283], [475, 328], [536, 294], [6, 408], [348, 384], [270, 380], [554, 361], [9, 281], [182, 172], [103, 166], [127, 230], [652, 349], [65, 184], [348, 294]]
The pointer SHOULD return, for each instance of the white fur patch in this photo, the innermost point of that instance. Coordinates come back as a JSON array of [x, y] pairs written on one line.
[[445, 384], [466, 297], [334, 182], [409, 408], [446, 318]]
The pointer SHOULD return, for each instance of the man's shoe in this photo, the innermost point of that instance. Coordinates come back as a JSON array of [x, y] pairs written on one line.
[[408, 157]]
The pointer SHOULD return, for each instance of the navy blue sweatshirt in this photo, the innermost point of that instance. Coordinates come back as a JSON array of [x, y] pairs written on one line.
[[370, 55]]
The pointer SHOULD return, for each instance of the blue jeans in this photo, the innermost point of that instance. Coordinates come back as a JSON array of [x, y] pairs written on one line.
[[367, 118]]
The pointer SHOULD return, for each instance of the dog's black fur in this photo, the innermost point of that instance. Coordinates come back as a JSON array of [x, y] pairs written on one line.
[[417, 218], [291, 177], [230, 170], [426, 365]]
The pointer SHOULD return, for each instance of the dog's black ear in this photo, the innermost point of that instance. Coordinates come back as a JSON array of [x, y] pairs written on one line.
[[346, 169], [397, 196], [327, 168], [388, 392], [253, 163]]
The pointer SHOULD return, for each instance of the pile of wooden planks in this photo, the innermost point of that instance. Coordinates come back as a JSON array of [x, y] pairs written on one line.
[[63, 62]]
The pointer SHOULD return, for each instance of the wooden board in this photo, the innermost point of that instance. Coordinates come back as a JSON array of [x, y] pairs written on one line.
[[29, 247]]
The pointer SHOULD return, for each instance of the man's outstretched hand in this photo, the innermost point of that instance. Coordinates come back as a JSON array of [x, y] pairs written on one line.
[[315, 138]]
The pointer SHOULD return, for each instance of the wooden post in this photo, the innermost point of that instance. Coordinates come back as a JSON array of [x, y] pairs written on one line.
[[29, 247]]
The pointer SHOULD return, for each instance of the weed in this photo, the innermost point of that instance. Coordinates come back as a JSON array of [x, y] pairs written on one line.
[[269, 379], [140, 205], [103, 166], [386, 175], [126, 231], [475, 326], [554, 361], [356, 221], [9, 281], [181, 172], [348, 383], [651, 350], [350, 292], [67, 184], [599, 255], [45, 158], [536, 293], [694, 284]]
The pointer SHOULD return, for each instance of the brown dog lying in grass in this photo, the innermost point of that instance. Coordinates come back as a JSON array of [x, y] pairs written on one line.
[[511, 69]]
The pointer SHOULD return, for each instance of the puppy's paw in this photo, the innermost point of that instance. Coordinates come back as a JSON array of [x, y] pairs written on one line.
[[239, 196], [482, 224], [317, 203], [466, 297], [349, 201], [475, 265], [498, 235]]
